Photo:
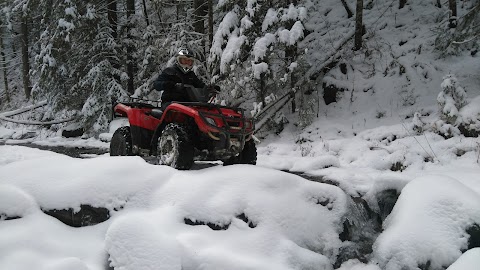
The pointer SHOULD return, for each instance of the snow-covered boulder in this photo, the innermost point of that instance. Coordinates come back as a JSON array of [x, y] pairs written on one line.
[[428, 224], [15, 203], [236, 217], [469, 260]]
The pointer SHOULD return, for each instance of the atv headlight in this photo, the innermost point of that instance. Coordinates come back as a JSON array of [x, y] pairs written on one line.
[[210, 121]]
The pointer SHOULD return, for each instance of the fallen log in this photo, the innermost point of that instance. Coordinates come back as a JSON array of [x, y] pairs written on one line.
[[6, 116]]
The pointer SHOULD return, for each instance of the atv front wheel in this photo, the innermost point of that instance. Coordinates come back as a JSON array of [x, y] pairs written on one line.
[[175, 148], [121, 143], [247, 156]]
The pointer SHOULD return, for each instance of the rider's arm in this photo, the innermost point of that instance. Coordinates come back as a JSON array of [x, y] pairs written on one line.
[[197, 83], [163, 82]]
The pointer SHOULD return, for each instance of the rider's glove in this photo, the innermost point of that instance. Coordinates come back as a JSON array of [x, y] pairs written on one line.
[[214, 89]]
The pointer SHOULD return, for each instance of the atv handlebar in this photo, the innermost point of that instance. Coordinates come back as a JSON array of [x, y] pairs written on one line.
[[206, 94]]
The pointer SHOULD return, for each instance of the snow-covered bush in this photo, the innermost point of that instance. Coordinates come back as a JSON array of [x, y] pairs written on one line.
[[418, 124], [469, 118], [451, 99], [457, 116]]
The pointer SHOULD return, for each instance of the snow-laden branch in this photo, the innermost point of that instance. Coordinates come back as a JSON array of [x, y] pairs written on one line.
[[6, 116], [465, 41], [25, 109], [26, 122], [260, 123]]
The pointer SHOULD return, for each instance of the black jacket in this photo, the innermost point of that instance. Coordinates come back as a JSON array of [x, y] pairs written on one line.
[[169, 77]]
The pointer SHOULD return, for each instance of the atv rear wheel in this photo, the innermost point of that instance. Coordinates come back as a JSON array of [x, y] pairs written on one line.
[[175, 148], [247, 156], [121, 143]]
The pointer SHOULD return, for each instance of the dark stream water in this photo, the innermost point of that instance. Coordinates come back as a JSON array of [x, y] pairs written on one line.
[[76, 152]]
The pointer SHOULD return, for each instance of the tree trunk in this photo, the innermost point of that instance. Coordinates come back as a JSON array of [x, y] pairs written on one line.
[[200, 13], [359, 25], [439, 4], [25, 57], [145, 13], [4, 67], [262, 89], [402, 4], [210, 23], [130, 49], [112, 17], [113, 21], [347, 8], [291, 56], [452, 4]]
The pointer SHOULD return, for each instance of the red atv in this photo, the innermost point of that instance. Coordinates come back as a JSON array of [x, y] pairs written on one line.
[[185, 132]]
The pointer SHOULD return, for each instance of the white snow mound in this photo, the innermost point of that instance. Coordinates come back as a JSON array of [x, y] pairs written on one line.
[[428, 224]]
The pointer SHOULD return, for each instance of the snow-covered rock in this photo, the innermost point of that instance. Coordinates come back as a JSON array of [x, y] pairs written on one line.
[[428, 224]]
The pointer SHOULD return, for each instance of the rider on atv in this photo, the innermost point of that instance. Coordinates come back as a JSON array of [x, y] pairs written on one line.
[[187, 127], [172, 80]]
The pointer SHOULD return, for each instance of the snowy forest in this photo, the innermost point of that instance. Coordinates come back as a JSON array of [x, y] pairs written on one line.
[[364, 153], [80, 55]]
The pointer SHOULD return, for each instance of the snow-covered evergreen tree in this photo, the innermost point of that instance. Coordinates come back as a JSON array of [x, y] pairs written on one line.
[[464, 37], [257, 43], [451, 99], [77, 63]]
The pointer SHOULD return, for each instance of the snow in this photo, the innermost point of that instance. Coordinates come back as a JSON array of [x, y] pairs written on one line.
[[261, 46], [224, 30], [6, 133], [65, 24], [259, 68], [271, 219], [431, 228], [150, 229], [381, 135], [270, 18], [470, 260], [231, 51], [470, 113], [293, 35]]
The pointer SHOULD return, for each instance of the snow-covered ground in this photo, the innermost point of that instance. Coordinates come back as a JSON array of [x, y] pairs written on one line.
[[263, 218]]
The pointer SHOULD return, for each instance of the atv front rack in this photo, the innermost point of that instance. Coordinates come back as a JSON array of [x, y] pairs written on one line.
[[230, 125]]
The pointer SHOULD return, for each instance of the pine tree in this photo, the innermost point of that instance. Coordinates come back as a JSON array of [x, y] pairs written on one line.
[[77, 63], [451, 99], [258, 43], [465, 36]]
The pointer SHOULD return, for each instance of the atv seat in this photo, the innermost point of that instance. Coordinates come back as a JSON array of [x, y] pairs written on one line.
[[157, 113]]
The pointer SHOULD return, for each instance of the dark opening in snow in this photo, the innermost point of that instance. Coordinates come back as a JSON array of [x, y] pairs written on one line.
[[87, 216], [213, 226]]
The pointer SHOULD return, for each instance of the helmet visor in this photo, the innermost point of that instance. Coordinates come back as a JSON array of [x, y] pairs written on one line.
[[185, 61]]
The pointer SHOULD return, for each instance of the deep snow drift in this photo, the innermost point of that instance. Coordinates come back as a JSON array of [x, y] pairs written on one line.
[[236, 217]]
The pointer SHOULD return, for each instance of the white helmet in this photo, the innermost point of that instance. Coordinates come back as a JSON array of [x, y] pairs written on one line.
[[184, 60]]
